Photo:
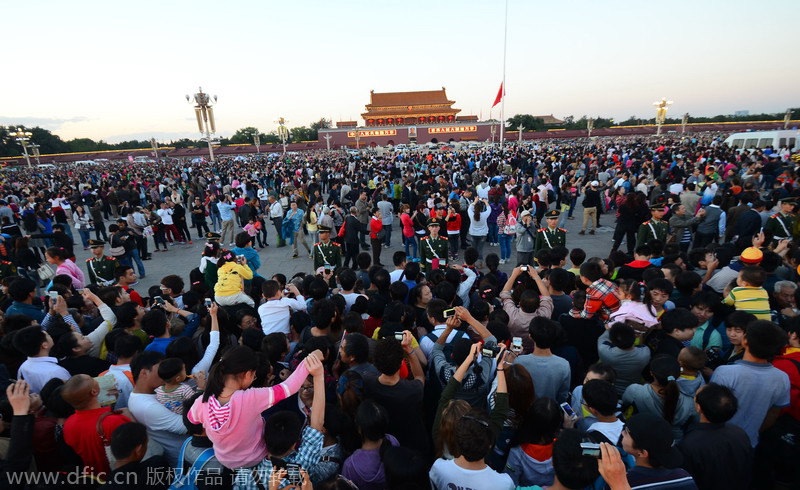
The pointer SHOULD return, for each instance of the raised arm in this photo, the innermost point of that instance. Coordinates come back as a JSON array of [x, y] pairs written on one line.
[[416, 367], [318, 404]]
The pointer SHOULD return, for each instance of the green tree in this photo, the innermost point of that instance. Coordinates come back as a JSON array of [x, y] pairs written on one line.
[[299, 134], [244, 136], [527, 121], [316, 126], [82, 145]]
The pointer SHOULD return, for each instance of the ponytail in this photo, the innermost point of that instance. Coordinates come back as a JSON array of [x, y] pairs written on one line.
[[236, 360], [672, 394], [476, 215]]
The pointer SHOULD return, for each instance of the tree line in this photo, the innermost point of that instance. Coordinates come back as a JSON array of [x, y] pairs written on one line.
[[52, 143]]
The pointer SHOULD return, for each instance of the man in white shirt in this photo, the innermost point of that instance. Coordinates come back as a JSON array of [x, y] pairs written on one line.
[[163, 425], [276, 215], [40, 367], [483, 190], [170, 230], [276, 311], [600, 398], [435, 312], [399, 259]]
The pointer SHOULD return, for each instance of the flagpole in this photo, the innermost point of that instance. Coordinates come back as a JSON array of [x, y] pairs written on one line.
[[503, 93]]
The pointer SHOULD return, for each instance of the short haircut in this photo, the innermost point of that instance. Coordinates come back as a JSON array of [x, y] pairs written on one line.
[[323, 312], [435, 310], [780, 285], [754, 275], [363, 260], [591, 271], [678, 319], [173, 282], [687, 282], [270, 288], [127, 346], [109, 295], [154, 322], [765, 340], [740, 319], [372, 420], [577, 256], [473, 436], [282, 432], [347, 278], [242, 239], [561, 280], [661, 285], [121, 270], [600, 395], [643, 250], [126, 438], [356, 345], [572, 468], [170, 367], [705, 298], [21, 288], [145, 360], [29, 340], [398, 258], [388, 356], [607, 372], [717, 402], [544, 332], [692, 358]]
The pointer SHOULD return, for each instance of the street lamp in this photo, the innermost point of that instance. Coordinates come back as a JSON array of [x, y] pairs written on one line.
[[492, 129], [661, 113], [358, 136], [684, 122], [283, 133], [204, 112], [520, 128], [590, 126], [35, 149], [23, 137], [257, 141], [786, 118], [328, 141], [154, 145]]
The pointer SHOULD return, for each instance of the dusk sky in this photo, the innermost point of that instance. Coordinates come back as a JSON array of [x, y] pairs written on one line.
[[120, 70]]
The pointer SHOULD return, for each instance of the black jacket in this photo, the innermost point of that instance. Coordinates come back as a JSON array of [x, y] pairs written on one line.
[[352, 228], [718, 456]]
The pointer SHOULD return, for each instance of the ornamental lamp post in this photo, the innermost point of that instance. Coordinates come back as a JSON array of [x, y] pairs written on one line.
[[520, 128], [786, 118], [35, 149], [154, 145], [22, 137], [328, 140], [684, 122], [590, 126], [358, 136], [204, 112], [661, 113], [257, 141], [283, 133]]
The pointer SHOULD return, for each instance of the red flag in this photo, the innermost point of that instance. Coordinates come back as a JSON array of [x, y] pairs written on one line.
[[500, 95]]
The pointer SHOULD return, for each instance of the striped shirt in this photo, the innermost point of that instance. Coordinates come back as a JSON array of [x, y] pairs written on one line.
[[751, 300]]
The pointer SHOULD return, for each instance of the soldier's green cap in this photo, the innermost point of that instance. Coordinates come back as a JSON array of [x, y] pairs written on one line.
[[434, 222], [788, 200], [552, 214], [323, 229], [96, 243]]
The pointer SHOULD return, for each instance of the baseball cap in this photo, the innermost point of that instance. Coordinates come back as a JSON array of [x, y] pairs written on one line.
[[653, 434], [595, 183]]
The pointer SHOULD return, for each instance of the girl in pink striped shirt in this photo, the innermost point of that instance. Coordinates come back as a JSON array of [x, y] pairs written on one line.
[[231, 413]]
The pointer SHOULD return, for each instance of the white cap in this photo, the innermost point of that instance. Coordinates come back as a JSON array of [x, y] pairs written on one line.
[[595, 183]]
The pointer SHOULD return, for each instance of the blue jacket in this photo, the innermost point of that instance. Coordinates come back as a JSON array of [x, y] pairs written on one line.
[[253, 260], [32, 311]]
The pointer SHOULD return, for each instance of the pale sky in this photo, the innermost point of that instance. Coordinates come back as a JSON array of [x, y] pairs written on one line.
[[120, 70]]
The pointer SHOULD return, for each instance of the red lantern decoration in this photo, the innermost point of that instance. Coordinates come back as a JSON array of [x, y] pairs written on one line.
[[370, 122], [399, 120], [421, 120], [451, 117], [380, 122], [389, 121], [432, 119], [441, 118]]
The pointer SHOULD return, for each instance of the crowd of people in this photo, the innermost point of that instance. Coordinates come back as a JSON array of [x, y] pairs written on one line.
[[674, 365]]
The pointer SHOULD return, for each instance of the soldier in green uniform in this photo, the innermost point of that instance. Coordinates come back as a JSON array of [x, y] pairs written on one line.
[[655, 228], [551, 236], [433, 247], [782, 224], [101, 267], [326, 251]]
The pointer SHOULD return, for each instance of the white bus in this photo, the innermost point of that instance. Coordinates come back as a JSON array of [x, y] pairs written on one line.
[[762, 139]]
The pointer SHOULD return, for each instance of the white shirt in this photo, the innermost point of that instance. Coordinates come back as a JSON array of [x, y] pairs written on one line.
[[426, 344], [123, 383], [394, 276], [163, 426], [37, 371], [262, 194], [675, 188], [445, 473], [612, 430], [275, 313], [276, 210], [350, 300], [483, 191], [166, 216]]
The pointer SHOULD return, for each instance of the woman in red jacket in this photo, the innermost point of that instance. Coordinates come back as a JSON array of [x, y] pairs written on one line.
[[375, 227], [408, 231], [453, 229]]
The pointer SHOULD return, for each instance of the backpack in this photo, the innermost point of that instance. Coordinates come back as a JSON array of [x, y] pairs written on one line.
[[448, 346], [188, 481]]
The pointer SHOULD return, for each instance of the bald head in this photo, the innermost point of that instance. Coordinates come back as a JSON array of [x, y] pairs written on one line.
[[81, 392]]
